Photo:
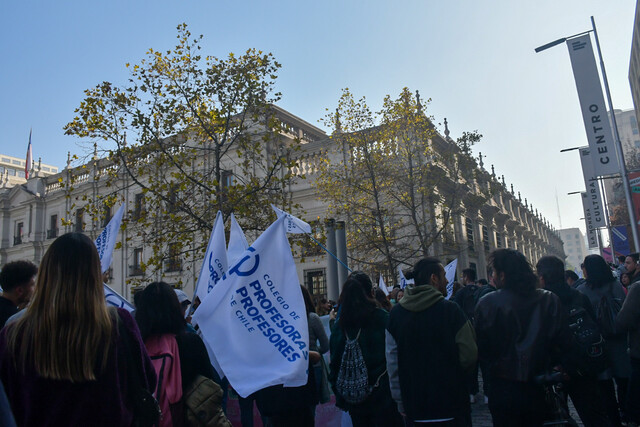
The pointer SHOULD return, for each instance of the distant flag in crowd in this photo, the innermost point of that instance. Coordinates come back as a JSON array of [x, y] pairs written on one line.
[[237, 242], [382, 285], [105, 243], [27, 166], [116, 300], [256, 316], [215, 260], [450, 273], [403, 280], [293, 224]]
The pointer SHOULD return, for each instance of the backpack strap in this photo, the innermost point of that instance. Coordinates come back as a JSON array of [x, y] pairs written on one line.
[[356, 338]]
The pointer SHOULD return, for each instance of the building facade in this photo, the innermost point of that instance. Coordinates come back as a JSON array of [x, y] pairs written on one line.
[[12, 170], [36, 212], [574, 247]]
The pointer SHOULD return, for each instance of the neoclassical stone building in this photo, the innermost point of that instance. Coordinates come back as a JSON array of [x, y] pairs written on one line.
[[35, 213]]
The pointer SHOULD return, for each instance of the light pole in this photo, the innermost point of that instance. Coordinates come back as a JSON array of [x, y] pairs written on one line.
[[618, 145]]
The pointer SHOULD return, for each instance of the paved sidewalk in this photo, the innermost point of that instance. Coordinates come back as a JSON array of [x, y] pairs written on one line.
[[481, 417]]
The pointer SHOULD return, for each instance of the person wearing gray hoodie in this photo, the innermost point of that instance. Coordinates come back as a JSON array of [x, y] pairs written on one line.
[[430, 346]]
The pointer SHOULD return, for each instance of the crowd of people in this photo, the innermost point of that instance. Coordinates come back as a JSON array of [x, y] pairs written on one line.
[[412, 357]]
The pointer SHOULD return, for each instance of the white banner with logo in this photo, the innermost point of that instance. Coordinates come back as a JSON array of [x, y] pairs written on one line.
[[592, 232], [106, 241], [255, 319], [592, 186], [450, 273], [215, 260], [294, 224], [116, 300], [594, 110]]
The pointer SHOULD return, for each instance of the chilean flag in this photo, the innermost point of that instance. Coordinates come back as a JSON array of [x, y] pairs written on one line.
[[27, 165]]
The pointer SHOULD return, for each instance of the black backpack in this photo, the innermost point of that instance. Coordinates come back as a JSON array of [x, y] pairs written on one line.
[[587, 356], [606, 311], [482, 291], [468, 300]]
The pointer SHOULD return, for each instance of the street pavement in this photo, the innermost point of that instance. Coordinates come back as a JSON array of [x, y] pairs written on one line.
[[481, 417]]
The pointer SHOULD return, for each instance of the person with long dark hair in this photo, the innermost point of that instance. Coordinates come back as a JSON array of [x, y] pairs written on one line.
[[361, 319], [602, 285], [64, 362], [522, 332], [160, 319]]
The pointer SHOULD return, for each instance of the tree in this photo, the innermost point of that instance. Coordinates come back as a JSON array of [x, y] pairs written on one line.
[[195, 135], [395, 182]]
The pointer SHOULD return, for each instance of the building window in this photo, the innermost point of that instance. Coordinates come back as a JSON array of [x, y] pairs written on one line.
[[470, 240], [316, 282], [138, 207], [79, 225], [173, 262], [52, 232], [499, 243], [227, 179], [485, 238], [12, 172], [17, 238], [311, 248], [20, 174], [136, 268]]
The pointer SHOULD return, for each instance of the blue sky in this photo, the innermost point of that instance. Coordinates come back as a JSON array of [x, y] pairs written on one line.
[[475, 60]]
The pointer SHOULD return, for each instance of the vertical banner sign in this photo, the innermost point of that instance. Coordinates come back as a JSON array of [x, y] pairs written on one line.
[[634, 181], [592, 234], [592, 188], [594, 111], [255, 318]]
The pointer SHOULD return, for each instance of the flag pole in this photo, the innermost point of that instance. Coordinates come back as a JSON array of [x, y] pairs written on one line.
[[329, 252]]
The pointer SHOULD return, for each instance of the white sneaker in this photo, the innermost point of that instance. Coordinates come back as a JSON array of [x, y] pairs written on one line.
[[472, 398], [486, 400]]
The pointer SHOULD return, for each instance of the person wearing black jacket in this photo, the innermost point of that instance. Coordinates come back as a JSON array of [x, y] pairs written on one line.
[[583, 390], [521, 332]]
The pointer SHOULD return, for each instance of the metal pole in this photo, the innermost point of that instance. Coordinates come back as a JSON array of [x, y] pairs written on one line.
[[618, 145], [333, 288], [341, 251]]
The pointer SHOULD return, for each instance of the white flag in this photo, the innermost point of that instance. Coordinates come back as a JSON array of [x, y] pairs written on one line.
[[116, 300], [403, 280], [237, 242], [214, 264], [450, 273], [382, 286], [293, 224], [256, 321], [106, 241]]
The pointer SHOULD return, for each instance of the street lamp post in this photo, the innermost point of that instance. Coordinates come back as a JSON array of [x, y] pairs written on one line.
[[618, 144]]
